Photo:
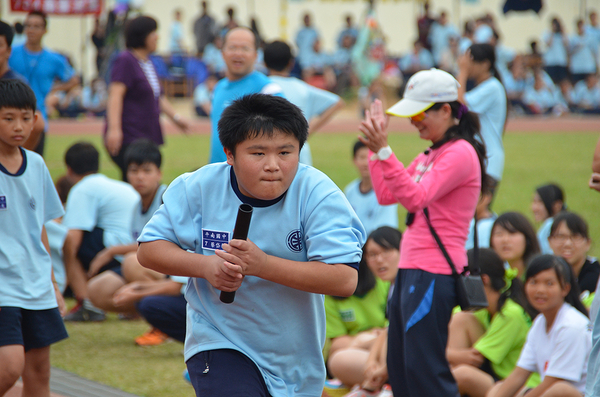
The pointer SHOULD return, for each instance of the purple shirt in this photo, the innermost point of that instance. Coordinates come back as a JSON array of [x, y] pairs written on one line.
[[141, 110]]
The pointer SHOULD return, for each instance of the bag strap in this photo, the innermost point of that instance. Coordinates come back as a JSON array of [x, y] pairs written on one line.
[[475, 268], [439, 242]]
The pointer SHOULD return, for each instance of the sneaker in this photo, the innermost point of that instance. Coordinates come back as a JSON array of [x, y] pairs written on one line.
[[154, 337], [83, 314]]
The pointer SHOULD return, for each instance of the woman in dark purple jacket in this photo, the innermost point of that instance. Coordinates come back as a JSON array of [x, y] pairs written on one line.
[[135, 100]]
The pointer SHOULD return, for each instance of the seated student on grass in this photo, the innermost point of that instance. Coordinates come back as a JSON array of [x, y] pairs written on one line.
[[514, 240], [161, 303], [29, 300], [143, 160], [485, 220], [559, 341], [304, 240], [317, 105], [359, 364], [484, 346], [98, 214], [362, 197], [569, 239], [58, 236], [548, 200]]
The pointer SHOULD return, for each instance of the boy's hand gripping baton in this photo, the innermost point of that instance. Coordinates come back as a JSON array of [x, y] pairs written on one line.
[[240, 232]]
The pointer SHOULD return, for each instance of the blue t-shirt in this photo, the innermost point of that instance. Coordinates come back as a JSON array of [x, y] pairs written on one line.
[[439, 37], [98, 201], [311, 100], [281, 329], [556, 53], [484, 232], [543, 234], [28, 200], [224, 94], [57, 234], [141, 218], [372, 214], [583, 53], [176, 37], [421, 61], [40, 69], [213, 58], [488, 100], [585, 97], [305, 39]]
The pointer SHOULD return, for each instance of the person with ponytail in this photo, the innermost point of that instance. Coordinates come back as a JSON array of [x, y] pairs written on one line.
[[488, 99], [484, 346], [559, 342], [441, 187]]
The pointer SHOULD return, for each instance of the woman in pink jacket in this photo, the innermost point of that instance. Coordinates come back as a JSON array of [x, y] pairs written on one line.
[[446, 180]]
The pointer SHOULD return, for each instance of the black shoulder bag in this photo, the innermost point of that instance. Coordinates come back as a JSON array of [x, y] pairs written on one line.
[[470, 294]]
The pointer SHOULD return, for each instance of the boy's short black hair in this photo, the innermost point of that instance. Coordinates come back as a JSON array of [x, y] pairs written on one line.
[[18, 27], [143, 151], [6, 31], [40, 14], [137, 30], [277, 55], [82, 158], [357, 146], [260, 114], [16, 94]]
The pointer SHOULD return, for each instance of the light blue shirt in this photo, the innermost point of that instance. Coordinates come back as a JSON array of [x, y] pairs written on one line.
[[140, 218], [224, 94], [57, 234], [483, 34], [98, 201], [176, 37], [213, 58], [372, 214], [583, 54], [544, 99], [421, 61], [488, 100], [556, 52], [311, 100], [484, 232], [28, 200], [305, 39], [592, 386], [585, 97], [543, 234], [281, 329], [439, 36], [202, 95], [512, 85], [40, 69], [352, 32]]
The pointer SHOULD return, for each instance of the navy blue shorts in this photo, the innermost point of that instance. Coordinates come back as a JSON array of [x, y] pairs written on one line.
[[225, 372], [33, 329], [167, 313], [91, 244]]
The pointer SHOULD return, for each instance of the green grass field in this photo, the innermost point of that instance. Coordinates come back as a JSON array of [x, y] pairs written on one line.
[[105, 352]]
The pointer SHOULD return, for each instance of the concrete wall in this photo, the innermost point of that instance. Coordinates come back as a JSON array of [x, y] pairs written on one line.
[[397, 17]]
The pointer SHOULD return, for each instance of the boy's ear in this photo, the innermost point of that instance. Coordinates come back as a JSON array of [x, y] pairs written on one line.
[[229, 155]]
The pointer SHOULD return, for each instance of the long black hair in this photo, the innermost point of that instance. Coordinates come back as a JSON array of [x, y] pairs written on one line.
[[515, 222], [468, 128], [491, 265], [565, 276], [550, 194]]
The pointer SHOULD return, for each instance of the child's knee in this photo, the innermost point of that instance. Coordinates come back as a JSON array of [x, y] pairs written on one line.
[[13, 362], [37, 365]]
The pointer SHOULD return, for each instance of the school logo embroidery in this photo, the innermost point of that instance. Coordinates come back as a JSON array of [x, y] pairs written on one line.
[[214, 239], [32, 203], [294, 241], [3, 205]]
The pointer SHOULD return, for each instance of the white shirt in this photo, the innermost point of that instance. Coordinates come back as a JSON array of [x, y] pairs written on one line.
[[563, 352]]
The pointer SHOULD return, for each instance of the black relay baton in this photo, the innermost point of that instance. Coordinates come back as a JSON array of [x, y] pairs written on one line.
[[240, 232]]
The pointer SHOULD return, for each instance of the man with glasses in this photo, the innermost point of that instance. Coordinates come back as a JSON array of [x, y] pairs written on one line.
[[239, 53], [40, 66]]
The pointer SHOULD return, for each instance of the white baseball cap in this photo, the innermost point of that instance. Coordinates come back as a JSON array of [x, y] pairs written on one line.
[[423, 90]]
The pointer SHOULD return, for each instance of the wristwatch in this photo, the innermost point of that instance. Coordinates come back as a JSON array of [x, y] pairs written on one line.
[[383, 154]]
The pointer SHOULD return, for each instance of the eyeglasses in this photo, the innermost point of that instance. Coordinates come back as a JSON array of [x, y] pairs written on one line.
[[242, 49], [37, 27], [419, 117], [562, 238]]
